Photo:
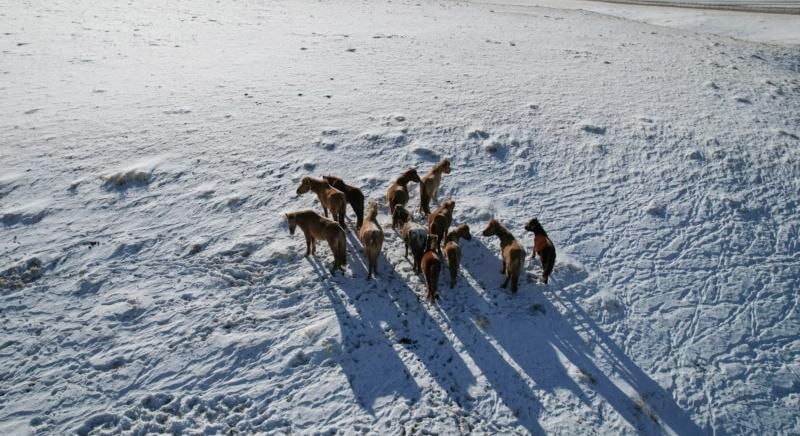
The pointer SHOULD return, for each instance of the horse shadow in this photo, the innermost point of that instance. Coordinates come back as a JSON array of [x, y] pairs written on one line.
[[381, 320], [549, 351]]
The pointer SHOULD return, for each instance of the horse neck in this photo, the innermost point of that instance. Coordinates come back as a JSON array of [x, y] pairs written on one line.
[[302, 220], [505, 236], [372, 215], [454, 236], [317, 185], [403, 180]]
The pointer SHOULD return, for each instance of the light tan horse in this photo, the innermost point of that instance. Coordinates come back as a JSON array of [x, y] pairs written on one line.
[[429, 185], [512, 252], [453, 251], [398, 190], [431, 266], [330, 197], [371, 236], [316, 227], [439, 221]]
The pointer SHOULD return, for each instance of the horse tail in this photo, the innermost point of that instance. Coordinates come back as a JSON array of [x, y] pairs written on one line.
[[357, 203], [548, 263]]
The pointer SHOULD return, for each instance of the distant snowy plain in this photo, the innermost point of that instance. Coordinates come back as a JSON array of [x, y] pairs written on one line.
[[148, 282]]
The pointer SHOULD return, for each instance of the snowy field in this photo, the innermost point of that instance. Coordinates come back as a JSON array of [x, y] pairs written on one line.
[[148, 281]]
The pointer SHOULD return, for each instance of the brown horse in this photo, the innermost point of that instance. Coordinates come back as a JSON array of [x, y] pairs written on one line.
[[439, 221], [414, 235], [371, 236], [453, 251], [429, 185], [543, 246], [431, 266], [316, 227], [398, 190], [330, 197], [512, 251], [354, 196]]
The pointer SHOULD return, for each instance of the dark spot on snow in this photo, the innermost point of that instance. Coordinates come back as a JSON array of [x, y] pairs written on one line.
[[351, 50]]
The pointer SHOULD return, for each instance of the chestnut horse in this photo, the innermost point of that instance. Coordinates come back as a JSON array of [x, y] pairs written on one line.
[[398, 190], [543, 246], [316, 227], [439, 221], [453, 251], [431, 266], [512, 252], [330, 197], [429, 185], [354, 196], [371, 236]]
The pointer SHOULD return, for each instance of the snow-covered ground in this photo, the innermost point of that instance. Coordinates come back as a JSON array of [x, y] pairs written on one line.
[[773, 28], [148, 282]]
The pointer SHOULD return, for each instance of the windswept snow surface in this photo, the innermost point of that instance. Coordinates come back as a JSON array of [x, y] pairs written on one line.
[[148, 282]]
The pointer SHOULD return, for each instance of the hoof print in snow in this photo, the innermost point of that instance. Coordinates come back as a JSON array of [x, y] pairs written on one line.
[[537, 309], [656, 210], [326, 145], [782, 132], [425, 153], [477, 134], [493, 147], [179, 111], [711, 85], [742, 100], [694, 155], [309, 166], [592, 128], [299, 359]]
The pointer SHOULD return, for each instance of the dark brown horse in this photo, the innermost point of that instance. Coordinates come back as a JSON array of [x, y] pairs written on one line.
[[398, 190], [429, 185], [354, 196], [512, 252], [431, 266], [453, 251], [543, 246], [316, 227]]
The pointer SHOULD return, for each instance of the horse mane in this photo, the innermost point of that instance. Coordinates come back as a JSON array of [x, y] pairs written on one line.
[[440, 165], [372, 212]]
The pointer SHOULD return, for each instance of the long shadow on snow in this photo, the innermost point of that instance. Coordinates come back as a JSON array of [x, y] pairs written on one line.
[[535, 342], [388, 314]]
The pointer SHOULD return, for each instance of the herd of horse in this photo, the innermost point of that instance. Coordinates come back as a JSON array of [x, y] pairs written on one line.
[[424, 241]]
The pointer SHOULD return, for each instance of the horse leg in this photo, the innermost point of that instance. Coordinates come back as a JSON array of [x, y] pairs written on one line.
[[325, 210], [505, 283], [504, 267], [308, 245], [313, 246], [424, 200]]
